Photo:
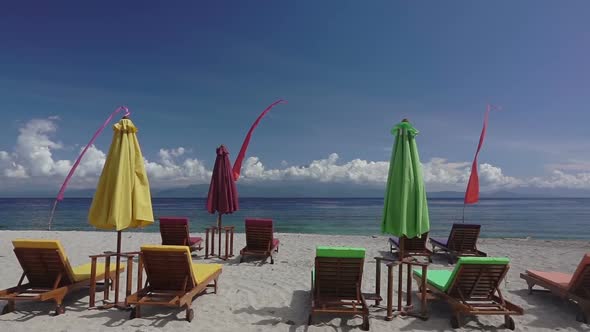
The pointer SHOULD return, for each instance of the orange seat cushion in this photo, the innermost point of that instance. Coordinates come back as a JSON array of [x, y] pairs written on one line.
[[578, 273], [557, 279]]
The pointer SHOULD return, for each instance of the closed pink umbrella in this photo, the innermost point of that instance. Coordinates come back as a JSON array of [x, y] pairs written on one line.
[[223, 195]]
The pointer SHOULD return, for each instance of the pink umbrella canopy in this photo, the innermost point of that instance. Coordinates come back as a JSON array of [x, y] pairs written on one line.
[[223, 195]]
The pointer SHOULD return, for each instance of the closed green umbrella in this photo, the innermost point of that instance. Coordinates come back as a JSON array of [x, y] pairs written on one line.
[[406, 210]]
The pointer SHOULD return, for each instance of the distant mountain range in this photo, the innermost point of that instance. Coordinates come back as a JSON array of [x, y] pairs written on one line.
[[306, 189]]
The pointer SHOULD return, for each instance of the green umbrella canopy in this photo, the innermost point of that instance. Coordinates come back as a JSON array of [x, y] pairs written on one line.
[[406, 210]]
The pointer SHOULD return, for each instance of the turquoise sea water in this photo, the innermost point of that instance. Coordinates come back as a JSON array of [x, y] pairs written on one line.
[[567, 218]]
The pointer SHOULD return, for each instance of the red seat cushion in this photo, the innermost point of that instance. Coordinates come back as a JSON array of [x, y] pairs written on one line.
[[174, 220], [557, 279], [195, 240], [258, 222], [275, 243], [583, 263]]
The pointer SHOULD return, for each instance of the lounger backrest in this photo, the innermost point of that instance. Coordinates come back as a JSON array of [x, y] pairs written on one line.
[[259, 233], [168, 267], [414, 244], [174, 231], [476, 278], [42, 261], [338, 272], [580, 283], [463, 237]]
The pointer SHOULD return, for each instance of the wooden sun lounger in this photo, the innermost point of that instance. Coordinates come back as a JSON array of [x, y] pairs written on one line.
[[462, 241], [173, 280], [175, 232], [472, 288], [410, 247], [260, 239], [336, 283], [49, 274], [574, 287]]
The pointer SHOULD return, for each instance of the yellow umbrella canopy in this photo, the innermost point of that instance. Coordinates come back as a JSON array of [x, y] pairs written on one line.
[[122, 199]]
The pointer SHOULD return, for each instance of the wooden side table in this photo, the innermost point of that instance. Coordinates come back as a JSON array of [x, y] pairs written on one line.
[[107, 279], [406, 310], [210, 233]]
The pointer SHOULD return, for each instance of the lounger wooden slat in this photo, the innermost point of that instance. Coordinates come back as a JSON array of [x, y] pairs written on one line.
[[175, 232], [462, 241], [406, 247], [473, 288], [573, 287], [336, 283], [260, 239], [48, 273], [172, 279]]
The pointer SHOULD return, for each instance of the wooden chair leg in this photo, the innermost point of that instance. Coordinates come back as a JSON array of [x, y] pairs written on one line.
[[190, 313], [9, 307], [215, 286], [530, 285], [310, 319]]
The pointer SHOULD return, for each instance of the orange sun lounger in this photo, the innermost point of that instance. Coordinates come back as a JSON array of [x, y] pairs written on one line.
[[574, 287]]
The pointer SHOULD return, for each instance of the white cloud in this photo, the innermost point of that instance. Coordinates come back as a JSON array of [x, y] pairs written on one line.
[[32, 162], [169, 170], [323, 170]]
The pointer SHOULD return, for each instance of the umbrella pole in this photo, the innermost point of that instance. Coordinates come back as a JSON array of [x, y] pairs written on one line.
[[219, 234], [117, 267]]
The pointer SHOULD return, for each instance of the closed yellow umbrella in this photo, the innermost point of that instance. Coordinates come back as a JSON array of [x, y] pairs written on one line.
[[122, 199]]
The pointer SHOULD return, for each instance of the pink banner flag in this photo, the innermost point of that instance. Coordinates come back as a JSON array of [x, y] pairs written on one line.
[[238, 163], [60, 194], [472, 192]]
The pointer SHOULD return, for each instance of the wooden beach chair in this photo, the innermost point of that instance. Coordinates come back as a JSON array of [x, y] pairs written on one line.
[[406, 247], [49, 275], [462, 241], [574, 287], [472, 288], [175, 232], [173, 280], [260, 239], [336, 283]]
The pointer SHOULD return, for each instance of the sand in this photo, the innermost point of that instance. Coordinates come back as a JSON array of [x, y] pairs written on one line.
[[257, 296]]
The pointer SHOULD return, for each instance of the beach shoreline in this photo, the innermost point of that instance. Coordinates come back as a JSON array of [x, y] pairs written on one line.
[[256, 296]]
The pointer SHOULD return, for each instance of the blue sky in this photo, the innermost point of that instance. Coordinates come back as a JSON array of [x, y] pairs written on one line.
[[196, 75]]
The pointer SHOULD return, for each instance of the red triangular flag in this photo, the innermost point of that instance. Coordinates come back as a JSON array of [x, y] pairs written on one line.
[[472, 192]]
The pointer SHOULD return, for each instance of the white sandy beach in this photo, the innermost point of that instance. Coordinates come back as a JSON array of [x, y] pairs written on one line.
[[263, 297]]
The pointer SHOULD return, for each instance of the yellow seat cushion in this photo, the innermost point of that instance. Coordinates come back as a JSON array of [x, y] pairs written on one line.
[[82, 272], [201, 272], [45, 244], [204, 271]]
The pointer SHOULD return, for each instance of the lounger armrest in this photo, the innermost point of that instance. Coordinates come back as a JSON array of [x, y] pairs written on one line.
[[391, 261]]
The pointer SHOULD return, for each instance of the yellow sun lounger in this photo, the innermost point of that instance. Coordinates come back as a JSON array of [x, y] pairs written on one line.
[[49, 274], [173, 280]]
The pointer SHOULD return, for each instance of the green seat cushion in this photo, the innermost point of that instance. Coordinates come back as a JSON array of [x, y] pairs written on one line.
[[442, 279], [437, 278], [340, 252]]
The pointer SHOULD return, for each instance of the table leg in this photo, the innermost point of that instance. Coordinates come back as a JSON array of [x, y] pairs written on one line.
[[219, 243], [231, 244], [206, 243], [409, 287], [92, 282], [400, 288], [129, 277], [107, 276], [140, 273], [226, 244], [423, 285], [377, 281], [389, 292], [212, 241]]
